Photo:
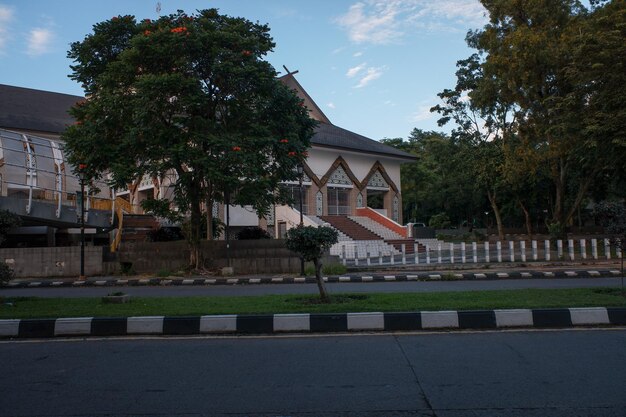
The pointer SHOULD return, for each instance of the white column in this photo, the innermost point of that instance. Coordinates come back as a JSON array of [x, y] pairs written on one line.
[[618, 252], [427, 254], [393, 256], [343, 254], [546, 245], [559, 249], [522, 248], [416, 253], [499, 250], [487, 252], [607, 249], [583, 248], [570, 247], [534, 246], [368, 255], [403, 254], [512, 250], [439, 253], [451, 253], [380, 255], [594, 248], [475, 252], [463, 252]]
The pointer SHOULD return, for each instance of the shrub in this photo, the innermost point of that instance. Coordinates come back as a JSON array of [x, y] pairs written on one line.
[[6, 273], [252, 233], [440, 221], [331, 269]]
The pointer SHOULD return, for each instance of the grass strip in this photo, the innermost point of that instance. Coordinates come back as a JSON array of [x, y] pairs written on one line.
[[32, 307]]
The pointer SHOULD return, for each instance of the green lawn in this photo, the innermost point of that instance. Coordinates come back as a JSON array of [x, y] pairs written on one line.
[[30, 307]]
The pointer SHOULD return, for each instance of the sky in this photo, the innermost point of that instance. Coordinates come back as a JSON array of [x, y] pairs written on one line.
[[373, 66]]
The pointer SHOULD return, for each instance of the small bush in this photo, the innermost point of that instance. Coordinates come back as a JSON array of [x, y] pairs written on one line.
[[252, 233], [439, 221], [6, 273], [126, 268], [164, 273], [331, 269]]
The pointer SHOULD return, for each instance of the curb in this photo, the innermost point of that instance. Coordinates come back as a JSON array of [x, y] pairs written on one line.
[[423, 276], [312, 323]]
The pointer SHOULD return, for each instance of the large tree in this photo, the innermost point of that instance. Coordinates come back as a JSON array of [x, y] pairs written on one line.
[[189, 97]]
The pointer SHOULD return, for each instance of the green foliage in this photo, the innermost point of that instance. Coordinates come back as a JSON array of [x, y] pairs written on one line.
[[190, 99], [8, 221], [439, 221], [6, 273], [252, 233], [327, 269], [310, 242], [612, 215]]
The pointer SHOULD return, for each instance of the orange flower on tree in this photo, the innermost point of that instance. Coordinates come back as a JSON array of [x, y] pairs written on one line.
[[284, 141], [147, 33], [181, 29], [245, 52], [236, 148], [292, 153]]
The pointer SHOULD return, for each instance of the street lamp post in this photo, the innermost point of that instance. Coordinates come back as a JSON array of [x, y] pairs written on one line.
[[300, 172], [81, 173]]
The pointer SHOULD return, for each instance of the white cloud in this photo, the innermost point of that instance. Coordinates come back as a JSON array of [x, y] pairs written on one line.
[[355, 70], [6, 17], [384, 22], [357, 54], [370, 75], [423, 111], [39, 41], [331, 105]]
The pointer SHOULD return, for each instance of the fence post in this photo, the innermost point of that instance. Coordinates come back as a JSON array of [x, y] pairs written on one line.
[[570, 249], [547, 247], [403, 254], [439, 253], [499, 250], [416, 253], [356, 255], [559, 249], [428, 254], [583, 248], [512, 250], [462, 252], [367, 253], [594, 248], [534, 246], [451, 253], [487, 252], [393, 255], [474, 252], [618, 252], [522, 248], [607, 249]]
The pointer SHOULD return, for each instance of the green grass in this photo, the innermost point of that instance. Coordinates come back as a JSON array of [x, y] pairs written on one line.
[[30, 307]]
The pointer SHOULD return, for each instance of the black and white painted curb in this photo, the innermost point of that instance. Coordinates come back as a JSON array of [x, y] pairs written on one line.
[[422, 276], [320, 323]]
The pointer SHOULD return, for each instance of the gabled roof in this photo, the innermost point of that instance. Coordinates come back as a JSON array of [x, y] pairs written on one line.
[[331, 136], [37, 110]]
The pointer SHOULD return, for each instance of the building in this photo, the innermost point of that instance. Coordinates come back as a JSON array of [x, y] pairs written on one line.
[[345, 174]]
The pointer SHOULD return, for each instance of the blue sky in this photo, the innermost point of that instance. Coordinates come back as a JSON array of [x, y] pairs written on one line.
[[373, 66]]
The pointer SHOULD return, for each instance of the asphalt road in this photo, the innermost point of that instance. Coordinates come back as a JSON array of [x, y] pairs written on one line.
[[367, 287], [524, 373]]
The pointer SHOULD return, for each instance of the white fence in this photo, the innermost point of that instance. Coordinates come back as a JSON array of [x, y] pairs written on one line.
[[483, 252]]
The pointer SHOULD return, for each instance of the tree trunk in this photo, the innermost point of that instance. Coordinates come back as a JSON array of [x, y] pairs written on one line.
[[320, 281], [529, 224], [209, 218], [496, 212], [195, 259], [559, 200]]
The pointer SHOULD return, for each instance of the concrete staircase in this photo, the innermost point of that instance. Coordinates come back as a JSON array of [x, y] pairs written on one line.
[[389, 236], [350, 228]]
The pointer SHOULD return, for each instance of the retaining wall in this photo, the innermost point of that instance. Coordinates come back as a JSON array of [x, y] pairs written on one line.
[[62, 261]]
